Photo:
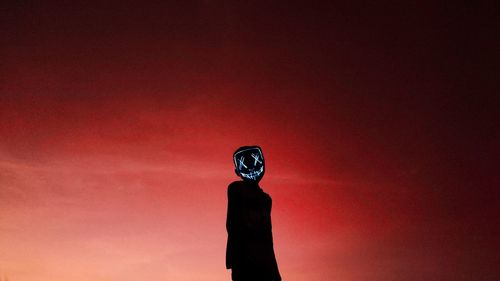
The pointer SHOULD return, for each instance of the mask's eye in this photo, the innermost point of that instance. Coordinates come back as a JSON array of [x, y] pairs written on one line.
[[256, 158], [241, 161]]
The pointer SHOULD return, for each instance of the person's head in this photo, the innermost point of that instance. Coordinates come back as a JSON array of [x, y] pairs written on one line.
[[249, 163]]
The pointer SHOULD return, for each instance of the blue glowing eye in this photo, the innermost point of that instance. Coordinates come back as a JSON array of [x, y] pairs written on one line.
[[256, 158], [242, 159]]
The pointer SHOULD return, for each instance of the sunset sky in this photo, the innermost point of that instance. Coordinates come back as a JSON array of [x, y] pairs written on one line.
[[118, 123]]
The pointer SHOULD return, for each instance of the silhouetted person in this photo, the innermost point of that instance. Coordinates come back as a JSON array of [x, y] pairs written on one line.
[[249, 252]]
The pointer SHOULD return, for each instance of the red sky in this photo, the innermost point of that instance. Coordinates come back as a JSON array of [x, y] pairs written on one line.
[[118, 123]]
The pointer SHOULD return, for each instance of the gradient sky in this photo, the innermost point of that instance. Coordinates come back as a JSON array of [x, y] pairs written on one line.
[[118, 123]]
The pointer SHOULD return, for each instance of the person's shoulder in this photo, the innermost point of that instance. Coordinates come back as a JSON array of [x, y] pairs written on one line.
[[234, 187], [235, 184], [267, 196]]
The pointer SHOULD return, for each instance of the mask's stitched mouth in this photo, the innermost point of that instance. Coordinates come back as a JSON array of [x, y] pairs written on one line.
[[253, 175]]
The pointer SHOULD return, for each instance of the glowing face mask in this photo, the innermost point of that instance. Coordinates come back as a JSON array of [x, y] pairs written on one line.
[[249, 163]]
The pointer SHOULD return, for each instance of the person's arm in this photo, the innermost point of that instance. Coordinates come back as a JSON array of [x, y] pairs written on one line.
[[275, 270], [230, 227]]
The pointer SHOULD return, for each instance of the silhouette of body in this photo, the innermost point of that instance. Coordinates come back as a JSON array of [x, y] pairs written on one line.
[[250, 253]]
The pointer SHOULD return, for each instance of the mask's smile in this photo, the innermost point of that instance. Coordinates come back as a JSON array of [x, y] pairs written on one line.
[[253, 175]]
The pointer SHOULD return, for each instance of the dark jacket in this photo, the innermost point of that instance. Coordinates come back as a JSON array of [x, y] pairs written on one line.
[[249, 249]]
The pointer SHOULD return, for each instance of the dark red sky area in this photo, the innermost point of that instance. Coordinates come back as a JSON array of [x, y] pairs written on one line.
[[378, 123]]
